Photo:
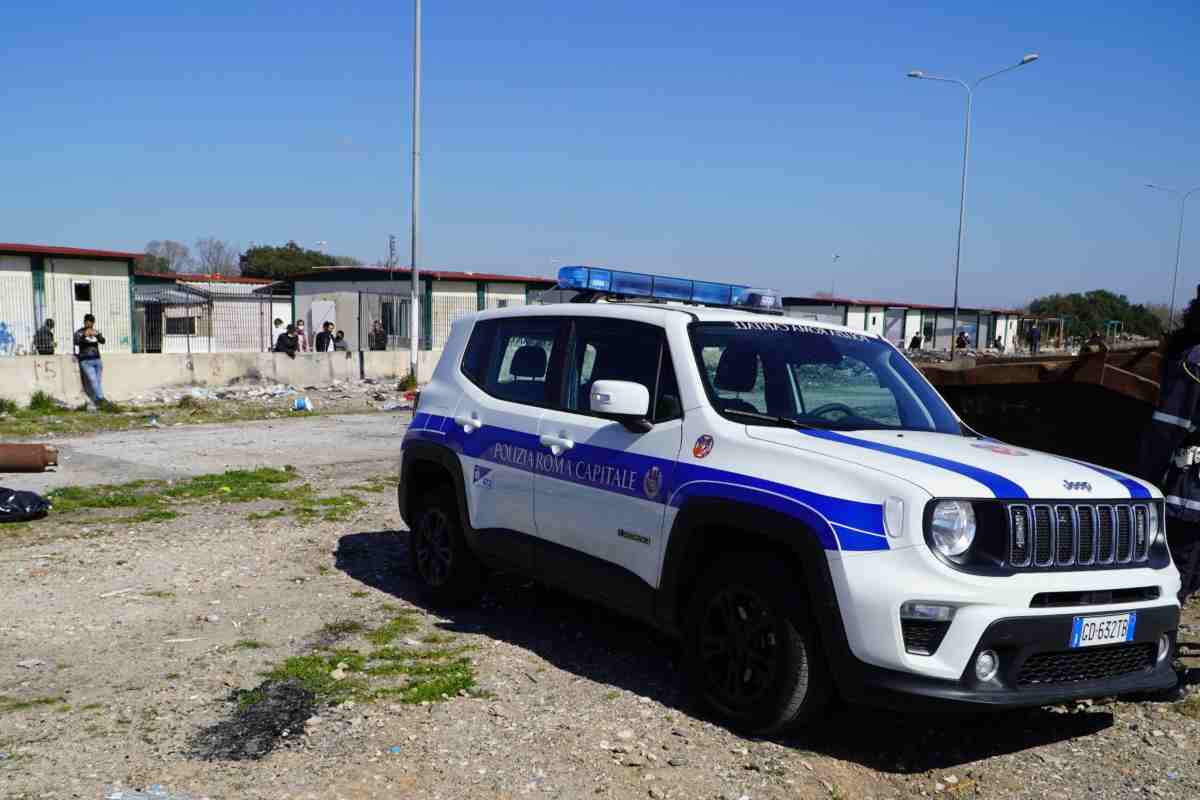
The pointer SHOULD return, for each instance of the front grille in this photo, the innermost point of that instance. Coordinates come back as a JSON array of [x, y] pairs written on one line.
[[1043, 536], [921, 636], [1086, 664]]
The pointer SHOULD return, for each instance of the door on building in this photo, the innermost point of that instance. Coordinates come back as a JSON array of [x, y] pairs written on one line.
[[893, 325], [81, 302]]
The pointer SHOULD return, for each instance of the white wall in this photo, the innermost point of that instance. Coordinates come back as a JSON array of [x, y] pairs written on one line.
[[16, 306], [110, 301], [912, 324], [856, 318]]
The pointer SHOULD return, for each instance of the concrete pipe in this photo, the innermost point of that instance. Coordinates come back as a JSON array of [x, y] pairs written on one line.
[[27, 457]]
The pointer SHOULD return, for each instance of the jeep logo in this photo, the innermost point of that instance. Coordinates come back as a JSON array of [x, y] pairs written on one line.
[[1077, 486]]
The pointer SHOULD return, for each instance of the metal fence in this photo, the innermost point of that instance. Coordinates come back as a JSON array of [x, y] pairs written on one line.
[[383, 321], [184, 319]]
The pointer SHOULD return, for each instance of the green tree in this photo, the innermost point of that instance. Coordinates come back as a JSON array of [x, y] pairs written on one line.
[[266, 261], [1089, 311]]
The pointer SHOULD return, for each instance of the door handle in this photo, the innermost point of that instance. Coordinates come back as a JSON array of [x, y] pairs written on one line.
[[468, 424], [557, 444]]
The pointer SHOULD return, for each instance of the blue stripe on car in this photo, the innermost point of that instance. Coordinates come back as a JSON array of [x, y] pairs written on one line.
[[998, 485], [859, 526]]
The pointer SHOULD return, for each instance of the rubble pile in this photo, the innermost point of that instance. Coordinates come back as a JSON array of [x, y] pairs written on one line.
[[373, 393]]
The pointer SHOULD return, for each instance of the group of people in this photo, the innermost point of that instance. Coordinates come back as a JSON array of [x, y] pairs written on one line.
[[87, 341], [293, 339]]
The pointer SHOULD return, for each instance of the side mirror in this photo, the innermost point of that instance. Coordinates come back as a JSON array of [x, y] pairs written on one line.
[[624, 401]]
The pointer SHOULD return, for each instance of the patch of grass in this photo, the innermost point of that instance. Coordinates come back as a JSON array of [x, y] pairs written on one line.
[[393, 629], [161, 594], [359, 594], [126, 495], [235, 485], [8, 704], [92, 707], [611, 695], [374, 485], [437, 638], [332, 509], [1189, 707], [256, 517], [322, 569], [42, 403], [340, 629], [172, 676], [314, 673], [8, 406], [248, 644]]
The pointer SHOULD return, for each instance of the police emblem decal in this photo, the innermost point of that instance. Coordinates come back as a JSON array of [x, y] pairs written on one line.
[[652, 483], [703, 446]]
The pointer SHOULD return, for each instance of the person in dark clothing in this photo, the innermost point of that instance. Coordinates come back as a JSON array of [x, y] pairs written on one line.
[[43, 339], [288, 342], [915, 344], [324, 341], [1035, 339], [339, 341], [1169, 455], [377, 338], [962, 342], [87, 349]]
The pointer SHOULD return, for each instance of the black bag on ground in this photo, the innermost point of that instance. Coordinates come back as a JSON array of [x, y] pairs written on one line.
[[18, 506]]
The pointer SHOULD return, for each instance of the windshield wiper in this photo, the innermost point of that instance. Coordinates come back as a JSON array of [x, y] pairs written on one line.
[[771, 419]]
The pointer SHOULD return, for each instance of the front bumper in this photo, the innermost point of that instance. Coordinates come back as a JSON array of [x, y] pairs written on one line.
[[1016, 640]]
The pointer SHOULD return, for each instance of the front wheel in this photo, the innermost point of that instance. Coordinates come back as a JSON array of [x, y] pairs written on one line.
[[438, 554], [752, 655]]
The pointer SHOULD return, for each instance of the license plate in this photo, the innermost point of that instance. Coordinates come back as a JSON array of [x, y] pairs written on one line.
[[1111, 629]]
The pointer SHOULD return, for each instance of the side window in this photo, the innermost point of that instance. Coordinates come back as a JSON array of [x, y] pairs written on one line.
[[479, 348], [519, 359], [620, 350], [736, 375]]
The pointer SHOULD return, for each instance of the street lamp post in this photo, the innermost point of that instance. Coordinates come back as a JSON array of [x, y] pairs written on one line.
[[414, 323], [962, 190], [1178, 241]]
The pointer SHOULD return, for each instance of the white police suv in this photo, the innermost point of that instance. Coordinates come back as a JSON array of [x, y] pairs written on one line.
[[793, 500]]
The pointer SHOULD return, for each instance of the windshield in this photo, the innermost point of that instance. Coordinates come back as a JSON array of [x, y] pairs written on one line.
[[787, 373]]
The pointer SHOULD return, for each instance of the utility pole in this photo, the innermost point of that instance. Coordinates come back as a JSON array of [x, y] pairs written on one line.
[[391, 259], [414, 326]]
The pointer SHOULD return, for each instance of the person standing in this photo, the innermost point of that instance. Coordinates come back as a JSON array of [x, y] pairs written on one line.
[[288, 342], [87, 349], [377, 338], [324, 341], [339, 341], [301, 337], [1035, 339], [43, 339]]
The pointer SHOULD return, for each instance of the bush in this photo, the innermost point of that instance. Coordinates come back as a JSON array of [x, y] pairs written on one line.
[[7, 406], [408, 383], [42, 403]]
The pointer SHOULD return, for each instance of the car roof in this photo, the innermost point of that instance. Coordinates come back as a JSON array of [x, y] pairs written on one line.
[[655, 313]]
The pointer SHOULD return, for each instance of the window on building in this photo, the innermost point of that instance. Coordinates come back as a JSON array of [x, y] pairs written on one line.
[[83, 293], [181, 326]]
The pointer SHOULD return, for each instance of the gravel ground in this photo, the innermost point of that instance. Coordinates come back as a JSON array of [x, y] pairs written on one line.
[[119, 645]]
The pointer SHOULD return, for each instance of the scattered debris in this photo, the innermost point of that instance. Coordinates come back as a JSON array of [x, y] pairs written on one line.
[[18, 506], [27, 457], [31, 663]]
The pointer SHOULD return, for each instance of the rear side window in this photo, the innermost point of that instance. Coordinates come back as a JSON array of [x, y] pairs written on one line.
[[512, 358]]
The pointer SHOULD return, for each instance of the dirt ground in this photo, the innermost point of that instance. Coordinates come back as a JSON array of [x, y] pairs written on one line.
[[123, 644]]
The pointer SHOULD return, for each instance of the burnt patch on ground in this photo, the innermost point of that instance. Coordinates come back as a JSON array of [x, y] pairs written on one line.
[[263, 716]]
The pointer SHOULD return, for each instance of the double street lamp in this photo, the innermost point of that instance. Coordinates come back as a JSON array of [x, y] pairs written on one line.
[[1183, 198], [962, 192]]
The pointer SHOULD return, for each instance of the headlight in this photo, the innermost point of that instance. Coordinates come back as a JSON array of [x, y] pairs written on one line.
[[1157, 534], [952, 527]]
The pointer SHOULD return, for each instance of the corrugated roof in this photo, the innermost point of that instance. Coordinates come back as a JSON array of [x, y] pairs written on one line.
[[200, 277], [850, 301], [54, 250], [436, 274]]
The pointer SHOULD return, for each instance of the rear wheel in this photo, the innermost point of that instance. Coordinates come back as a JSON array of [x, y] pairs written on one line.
[[752, 655], [438, 554]]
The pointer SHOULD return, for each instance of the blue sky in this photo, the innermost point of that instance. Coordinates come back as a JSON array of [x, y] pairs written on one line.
[[746, 141]]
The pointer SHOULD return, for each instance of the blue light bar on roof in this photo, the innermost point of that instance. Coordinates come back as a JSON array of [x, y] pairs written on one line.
[[661, 287]]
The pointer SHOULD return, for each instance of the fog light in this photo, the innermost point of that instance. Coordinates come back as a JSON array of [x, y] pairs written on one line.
[[987, 664], [1164, 647], [926, 611]]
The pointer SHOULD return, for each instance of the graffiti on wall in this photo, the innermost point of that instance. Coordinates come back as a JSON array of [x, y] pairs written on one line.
[[14, 342]]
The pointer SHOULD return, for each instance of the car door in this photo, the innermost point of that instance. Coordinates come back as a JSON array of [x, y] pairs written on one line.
[[510, 365], [600, 489]]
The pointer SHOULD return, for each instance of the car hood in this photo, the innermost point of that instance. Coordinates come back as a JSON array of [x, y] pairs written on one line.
[[959, 466]]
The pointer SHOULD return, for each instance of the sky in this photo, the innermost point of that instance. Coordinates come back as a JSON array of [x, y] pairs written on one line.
[[748, 142]]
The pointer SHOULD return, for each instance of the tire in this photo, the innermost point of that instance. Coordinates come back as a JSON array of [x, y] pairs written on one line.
[[751, 653], [439, 557]]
